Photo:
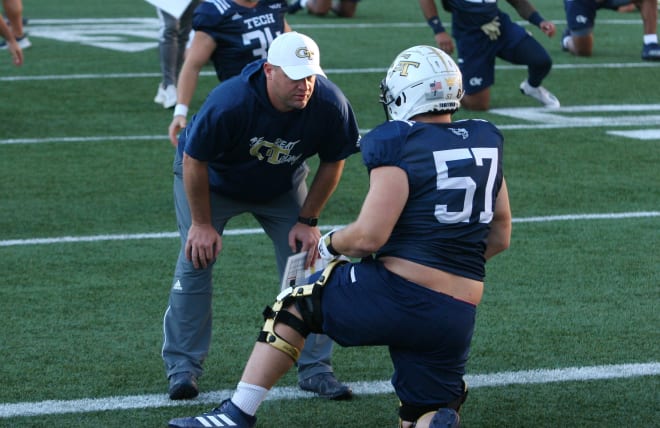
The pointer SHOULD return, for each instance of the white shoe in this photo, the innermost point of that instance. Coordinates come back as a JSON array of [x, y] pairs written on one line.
[[23, 42], [160, 95], [541, 94], [169, 94]]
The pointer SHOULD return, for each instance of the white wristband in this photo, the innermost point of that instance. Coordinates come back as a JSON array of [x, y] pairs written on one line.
[[181, 110], [326, 250]]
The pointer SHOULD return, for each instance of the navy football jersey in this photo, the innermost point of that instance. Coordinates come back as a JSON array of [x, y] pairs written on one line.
[[253, 149], [470, 15], [242, 34], [454, 173]]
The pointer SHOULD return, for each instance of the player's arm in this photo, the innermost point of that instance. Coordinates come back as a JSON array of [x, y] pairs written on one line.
[[287, 27], [197, 56], [527, 11], [499, 236], [385, 200], [12, 45], [442, 37], [204, 243], [323, 185]]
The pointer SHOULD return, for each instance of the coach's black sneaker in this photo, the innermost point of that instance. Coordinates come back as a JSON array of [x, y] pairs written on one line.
[[651, 52], [445, 418], [226, 415], [183, 386], [326, 386]]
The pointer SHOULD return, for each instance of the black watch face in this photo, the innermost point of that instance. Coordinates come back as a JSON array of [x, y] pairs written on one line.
[[308, 221]]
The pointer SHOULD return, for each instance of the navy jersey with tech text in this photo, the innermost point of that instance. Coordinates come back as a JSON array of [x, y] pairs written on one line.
[[253, 150], [470, 15], [242, 34], [454, 174]]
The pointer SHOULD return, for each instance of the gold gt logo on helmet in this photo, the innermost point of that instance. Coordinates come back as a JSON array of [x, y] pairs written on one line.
[[402, 67], [304, 53]]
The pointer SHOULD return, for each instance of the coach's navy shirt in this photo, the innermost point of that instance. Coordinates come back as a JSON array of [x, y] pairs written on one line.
[[253, 149]]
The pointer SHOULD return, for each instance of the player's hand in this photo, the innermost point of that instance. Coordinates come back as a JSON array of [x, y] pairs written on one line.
[[178, 123], [16, 53], [548, 28], [326, 251], [305, 238], [203, 245], [492, 29], [445, 42]]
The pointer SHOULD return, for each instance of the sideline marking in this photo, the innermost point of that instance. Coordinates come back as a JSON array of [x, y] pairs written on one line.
[[525, 377], [327, 71], [579, 116], [255, 231], [140, 34], [638, 134], [82, 139], [564, 117]]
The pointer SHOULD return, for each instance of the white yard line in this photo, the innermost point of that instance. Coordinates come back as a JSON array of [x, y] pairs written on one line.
[[591, 116], [256, 231], [526, 377], [106, 76]]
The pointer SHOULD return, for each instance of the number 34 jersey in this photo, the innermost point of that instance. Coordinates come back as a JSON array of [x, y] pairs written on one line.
[[242, 34], [454, 175]]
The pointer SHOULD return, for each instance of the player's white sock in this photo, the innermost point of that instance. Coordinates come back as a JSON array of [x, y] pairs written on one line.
[[650, 38], [248, 397]]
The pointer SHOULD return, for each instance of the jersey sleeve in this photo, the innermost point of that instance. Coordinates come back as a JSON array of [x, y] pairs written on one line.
[[383, 145], [342, 134], [208, 19], [208, 133]]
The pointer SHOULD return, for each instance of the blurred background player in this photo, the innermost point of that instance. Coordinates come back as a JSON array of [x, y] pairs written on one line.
[[482, 33], [229, 43], [11, 44], [245, 151], [578, 38], [13, 11], [172, 40], [341, 8], [437, 208]]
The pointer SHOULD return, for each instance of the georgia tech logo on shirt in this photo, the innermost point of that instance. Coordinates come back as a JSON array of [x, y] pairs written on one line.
[[304, 53], [275, 153]]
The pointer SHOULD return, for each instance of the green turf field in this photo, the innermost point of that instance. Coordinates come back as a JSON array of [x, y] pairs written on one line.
[[568, 334]]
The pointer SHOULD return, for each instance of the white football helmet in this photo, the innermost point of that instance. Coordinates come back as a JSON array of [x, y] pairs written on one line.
[[421, 79]]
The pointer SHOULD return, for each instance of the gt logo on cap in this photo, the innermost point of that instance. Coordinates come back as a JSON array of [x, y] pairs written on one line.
[[304, 53]]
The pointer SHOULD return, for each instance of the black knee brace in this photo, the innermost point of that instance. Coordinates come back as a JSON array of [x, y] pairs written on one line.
[[307, 299]]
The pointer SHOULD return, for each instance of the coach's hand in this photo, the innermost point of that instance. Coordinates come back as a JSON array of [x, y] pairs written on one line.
[[305, 238], [203, 245]]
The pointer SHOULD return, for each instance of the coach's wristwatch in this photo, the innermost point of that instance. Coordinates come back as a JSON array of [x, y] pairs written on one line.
[[309, 221]]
